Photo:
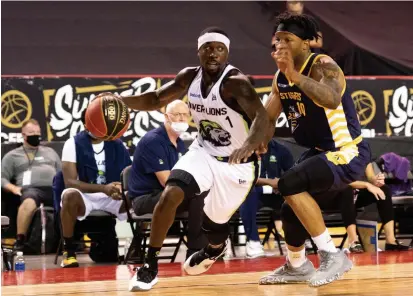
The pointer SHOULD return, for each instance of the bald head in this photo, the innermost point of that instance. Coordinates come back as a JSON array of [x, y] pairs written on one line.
[[177, 106], [177, 114]]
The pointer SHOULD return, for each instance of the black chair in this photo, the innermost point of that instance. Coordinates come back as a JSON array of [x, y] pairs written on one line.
[[6, 252], [403, 219], [140, 226], [265, 218], [87, 226]]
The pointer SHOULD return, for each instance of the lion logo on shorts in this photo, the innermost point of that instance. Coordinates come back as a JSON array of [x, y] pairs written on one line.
[[212, 132]]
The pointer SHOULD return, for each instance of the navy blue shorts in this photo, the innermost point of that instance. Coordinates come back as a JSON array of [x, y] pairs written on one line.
[[348, 164]]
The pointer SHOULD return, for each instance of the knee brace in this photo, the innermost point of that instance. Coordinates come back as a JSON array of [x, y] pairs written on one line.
[[185, 181], [216, 233], [312, 175], [292, 182]]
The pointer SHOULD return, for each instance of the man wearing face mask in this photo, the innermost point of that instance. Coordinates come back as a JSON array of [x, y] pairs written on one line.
[[155, 155], [32, 167]]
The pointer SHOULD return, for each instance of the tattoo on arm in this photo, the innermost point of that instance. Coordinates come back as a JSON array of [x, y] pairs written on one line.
[[326, 92]]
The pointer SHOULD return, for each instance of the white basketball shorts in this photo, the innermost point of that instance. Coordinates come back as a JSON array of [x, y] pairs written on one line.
[[98, 201], [229, 184]]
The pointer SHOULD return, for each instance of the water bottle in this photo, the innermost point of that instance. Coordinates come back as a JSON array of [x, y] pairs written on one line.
[[19, 264]]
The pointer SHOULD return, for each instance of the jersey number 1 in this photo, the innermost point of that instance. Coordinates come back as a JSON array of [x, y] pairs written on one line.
[[229, 121]]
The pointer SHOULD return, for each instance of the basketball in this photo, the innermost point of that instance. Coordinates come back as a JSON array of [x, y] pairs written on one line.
[[107, 117]]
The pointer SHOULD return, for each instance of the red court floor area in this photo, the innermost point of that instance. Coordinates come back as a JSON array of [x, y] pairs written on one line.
[[123, 272]]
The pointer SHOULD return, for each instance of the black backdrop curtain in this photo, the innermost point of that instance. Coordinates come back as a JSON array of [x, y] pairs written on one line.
[[367, 38]]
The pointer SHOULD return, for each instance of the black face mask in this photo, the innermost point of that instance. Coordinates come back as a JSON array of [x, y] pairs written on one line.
[[33, 140]]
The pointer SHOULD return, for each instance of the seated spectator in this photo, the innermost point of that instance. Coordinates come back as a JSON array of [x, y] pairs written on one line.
[[32, 167], [155, 155], [277, 160], [399, 168], [297, 7], [91, 173], [366, 196]]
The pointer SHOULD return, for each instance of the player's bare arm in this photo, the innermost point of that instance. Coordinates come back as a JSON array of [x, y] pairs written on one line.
[[161, 97], [274, 108], [325, 84], [71, 180], [241, 89]]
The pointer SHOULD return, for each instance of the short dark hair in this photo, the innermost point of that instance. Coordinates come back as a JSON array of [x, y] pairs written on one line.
[[32, 121], [214, 30], [305, 21]]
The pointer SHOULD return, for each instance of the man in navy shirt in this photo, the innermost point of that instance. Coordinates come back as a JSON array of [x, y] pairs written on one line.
[[155, 155], [274, 163]]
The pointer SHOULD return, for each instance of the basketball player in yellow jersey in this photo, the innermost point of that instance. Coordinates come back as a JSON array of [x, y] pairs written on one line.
[[311, 89], [230, 119]]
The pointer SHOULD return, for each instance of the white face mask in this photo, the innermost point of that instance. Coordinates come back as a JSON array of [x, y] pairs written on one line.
[[179, 127]]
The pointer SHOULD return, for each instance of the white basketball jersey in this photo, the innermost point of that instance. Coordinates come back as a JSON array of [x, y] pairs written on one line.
[[221, 129]]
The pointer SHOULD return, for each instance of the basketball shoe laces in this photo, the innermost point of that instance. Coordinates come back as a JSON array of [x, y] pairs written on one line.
[[146, 274], [326, 260]]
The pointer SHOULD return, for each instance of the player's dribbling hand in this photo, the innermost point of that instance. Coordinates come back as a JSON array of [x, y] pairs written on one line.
[[284, 60], [113, 190]]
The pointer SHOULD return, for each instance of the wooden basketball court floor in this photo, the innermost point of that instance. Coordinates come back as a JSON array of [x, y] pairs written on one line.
[[384, 273]]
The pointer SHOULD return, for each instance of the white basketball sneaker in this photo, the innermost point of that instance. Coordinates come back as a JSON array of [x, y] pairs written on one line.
[[254, 249], [144, 279], [201, 261]]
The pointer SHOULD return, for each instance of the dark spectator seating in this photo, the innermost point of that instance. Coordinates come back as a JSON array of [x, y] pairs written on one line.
[[380, 145]]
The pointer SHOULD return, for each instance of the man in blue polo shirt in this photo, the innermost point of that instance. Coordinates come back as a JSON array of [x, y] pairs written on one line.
[[155, 155], [274, 163]]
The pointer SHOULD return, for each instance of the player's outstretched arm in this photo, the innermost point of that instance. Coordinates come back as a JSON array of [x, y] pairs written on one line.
[[173, 90], [241, 89], [325, 85], [274, 108]]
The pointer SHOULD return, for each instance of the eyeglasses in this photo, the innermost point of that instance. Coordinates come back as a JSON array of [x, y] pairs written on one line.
[[183, 115]]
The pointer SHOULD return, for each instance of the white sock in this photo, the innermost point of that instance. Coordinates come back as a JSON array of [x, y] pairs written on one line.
[[296, 259], [324, 242]]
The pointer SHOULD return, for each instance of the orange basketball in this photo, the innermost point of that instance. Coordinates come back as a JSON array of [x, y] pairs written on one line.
[[107, 117]]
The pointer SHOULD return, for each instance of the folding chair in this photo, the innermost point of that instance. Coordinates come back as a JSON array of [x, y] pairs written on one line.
[[84, 228], [401, 216], [141, 231], [5, 222], [266, 218], [271, 229], [43, 209]]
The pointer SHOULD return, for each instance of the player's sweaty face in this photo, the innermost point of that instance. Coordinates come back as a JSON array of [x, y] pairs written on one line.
[[284, 39], [213, 56]]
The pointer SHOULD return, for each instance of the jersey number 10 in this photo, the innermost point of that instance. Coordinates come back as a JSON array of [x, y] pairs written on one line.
[[301, 108]]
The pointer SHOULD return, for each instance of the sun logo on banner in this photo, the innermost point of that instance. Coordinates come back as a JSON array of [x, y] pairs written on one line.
[[16, 108], [365, 106]]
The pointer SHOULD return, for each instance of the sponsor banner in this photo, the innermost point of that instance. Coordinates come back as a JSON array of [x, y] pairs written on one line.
[[384, 106]]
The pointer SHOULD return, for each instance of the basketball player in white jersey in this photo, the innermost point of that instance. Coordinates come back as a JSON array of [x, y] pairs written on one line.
[[230, 119]]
